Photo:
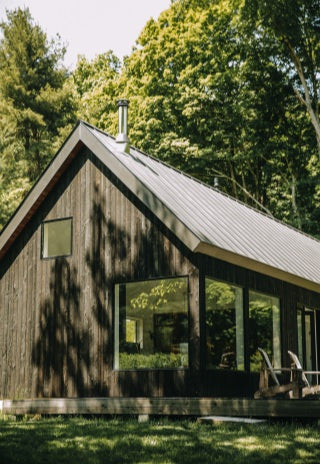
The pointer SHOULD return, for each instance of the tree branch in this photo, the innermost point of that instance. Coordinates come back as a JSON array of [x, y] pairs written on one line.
[[299, 96], [307, 100], [245, 191]]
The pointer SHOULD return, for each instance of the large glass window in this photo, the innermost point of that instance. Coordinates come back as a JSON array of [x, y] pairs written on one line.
[[56, 238], [151, 324], [224, 326], [264, 329]]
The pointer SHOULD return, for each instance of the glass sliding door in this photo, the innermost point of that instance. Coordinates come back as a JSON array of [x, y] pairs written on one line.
[[264, 329], [224, 326], [226, 335], [308, 345]]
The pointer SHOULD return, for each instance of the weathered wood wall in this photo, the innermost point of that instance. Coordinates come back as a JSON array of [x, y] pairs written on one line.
[[56, 333]]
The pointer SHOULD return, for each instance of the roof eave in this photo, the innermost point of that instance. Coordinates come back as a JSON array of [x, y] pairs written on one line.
[[40, 190], [82, 136], [248, 263]]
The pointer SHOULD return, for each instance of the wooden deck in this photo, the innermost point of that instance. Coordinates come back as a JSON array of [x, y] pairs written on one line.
[[165, 406]]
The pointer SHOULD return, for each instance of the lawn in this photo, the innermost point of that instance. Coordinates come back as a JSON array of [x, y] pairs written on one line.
[[93, 441]]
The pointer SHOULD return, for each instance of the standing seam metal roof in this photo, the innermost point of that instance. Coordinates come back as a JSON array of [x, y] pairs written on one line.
[[205, 219], [221, 221]]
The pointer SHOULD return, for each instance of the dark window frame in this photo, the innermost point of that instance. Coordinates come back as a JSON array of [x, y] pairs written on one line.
[[245, 289], [150, 279], [70, 218]]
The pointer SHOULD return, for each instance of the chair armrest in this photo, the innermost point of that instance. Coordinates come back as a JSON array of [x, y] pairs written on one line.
[[283, 369]]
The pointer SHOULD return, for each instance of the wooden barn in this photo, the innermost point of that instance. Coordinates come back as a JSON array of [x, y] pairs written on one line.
[[123, 279]]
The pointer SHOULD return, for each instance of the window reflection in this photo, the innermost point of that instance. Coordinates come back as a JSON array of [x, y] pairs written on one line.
[[224, 326], [151, 324], [264, 328]]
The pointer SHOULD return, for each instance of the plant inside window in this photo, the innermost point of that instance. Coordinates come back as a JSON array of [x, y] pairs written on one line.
[[151, 324], [56, 238]]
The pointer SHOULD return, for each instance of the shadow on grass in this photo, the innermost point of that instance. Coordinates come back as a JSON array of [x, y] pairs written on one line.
[[79, 440]]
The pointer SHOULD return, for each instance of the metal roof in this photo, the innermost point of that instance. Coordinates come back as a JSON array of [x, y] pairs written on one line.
[[222, 222], [205, 219]]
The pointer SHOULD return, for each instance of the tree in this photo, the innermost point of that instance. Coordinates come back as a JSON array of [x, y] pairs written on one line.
[[295, 25], [205, 97], [14, 182], [97, 88], [212, 91], [181, 86], [36, 103]]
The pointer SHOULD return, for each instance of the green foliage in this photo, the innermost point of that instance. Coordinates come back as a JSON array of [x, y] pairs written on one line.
[[158, 295], [296, 29], [96, 84], [293, 28], [14, 182], [226, 88], [219, 294], [36, 103], [152, 361], [261, 334], [207, 95]]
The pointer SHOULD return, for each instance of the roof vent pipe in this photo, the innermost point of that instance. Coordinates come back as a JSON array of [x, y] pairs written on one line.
[[122, 136]]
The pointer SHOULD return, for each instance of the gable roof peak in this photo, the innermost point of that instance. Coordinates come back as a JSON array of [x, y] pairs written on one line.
[[205, 219]]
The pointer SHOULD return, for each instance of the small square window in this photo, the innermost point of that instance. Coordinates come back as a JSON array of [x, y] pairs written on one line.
[[56, 238]]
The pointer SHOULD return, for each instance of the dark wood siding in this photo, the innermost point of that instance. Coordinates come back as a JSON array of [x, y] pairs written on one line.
[[56, 314], [56, 334]]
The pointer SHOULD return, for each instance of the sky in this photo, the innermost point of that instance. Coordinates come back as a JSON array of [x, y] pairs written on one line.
[[93, 26]]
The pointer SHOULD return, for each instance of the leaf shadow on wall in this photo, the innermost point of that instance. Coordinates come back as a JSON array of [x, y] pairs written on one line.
[[60, 352], [73, 350]]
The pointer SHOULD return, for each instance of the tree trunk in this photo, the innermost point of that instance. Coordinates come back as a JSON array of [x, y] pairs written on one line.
[[306, 101], [294, 201]]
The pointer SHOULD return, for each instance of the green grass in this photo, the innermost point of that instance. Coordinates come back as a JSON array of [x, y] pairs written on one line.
[[91, 441]]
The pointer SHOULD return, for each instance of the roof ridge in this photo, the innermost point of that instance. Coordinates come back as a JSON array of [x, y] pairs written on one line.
[[226, 195], [294, 261]]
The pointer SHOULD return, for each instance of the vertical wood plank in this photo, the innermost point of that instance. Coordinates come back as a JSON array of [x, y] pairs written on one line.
[[136, 247]]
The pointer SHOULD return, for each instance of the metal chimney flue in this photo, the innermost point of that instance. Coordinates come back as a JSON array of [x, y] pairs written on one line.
[[122, 137]]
